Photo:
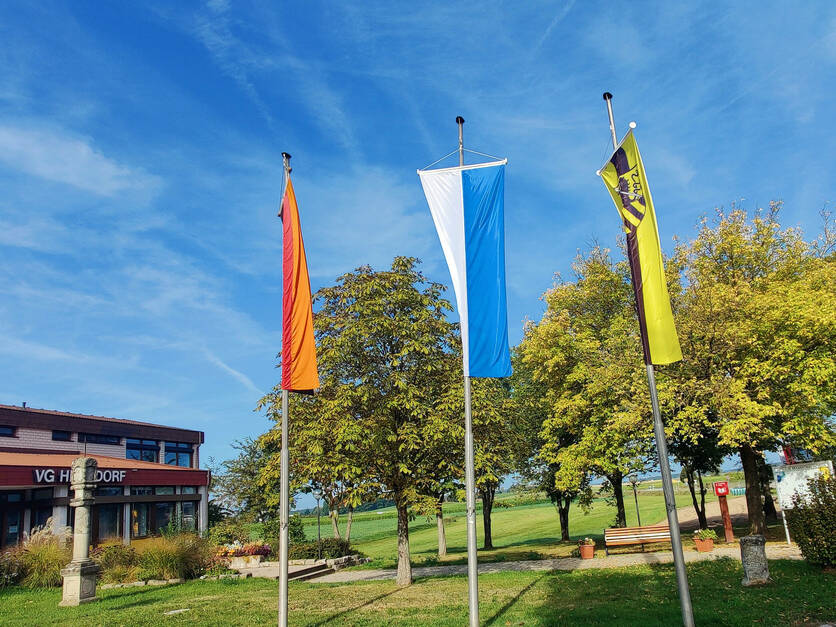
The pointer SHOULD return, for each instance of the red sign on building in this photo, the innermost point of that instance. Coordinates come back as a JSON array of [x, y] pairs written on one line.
[[721, 488]]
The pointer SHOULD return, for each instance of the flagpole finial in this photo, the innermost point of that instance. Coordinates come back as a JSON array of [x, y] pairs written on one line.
[[459, 119], [607, 95], [286, 155]]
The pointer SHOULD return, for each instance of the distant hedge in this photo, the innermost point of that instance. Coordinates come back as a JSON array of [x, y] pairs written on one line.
[[331, 548]]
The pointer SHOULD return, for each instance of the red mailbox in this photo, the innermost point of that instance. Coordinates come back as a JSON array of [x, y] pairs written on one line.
[[721, 488]]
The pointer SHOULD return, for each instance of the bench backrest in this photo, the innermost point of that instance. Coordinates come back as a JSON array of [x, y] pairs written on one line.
[[626, 535]]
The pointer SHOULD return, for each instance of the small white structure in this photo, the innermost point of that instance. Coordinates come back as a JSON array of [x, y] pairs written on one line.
[[791, 479]]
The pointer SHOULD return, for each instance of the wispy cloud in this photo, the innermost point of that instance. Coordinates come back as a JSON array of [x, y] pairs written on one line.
[[235, 374], [58, 156]]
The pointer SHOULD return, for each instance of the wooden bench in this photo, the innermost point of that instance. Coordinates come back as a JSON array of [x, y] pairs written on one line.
[[622, 536]]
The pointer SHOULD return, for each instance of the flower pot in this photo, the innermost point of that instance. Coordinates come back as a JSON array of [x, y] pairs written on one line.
[[704, 545], [244, 561], [587, 551]]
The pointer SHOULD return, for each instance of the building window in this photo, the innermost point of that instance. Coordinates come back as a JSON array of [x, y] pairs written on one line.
[[94, 438], [110, 491], [188, 489], [143, 450], [7, 432], [163, 514], [139, 520], [41, 494], [107, 522], [164, 489], [178, 454], [139, 490], [62, 436], [188, 518], [40, 516]]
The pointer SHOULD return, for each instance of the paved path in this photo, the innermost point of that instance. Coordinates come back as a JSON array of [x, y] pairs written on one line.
[[687, 519], [561, 563]]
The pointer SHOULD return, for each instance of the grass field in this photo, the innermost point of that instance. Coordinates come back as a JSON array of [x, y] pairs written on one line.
[[520, 532], [641, 595]]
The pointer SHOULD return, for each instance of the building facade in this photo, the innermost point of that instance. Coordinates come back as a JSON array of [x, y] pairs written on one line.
[[148, 475]]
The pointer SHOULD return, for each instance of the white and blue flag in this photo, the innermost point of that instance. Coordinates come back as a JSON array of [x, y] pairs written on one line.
[[467, 205]]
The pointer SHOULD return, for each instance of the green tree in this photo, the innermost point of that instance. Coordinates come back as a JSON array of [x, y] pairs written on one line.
[[322, 451], [385, 349], [238, 484], [531, 409], [757, 323], [587, 354]]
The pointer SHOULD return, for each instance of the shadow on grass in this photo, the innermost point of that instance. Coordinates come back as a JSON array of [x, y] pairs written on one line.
[[349, 610], [511, 603]]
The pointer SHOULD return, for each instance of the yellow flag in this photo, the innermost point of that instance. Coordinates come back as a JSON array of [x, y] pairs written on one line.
[[626, 181]]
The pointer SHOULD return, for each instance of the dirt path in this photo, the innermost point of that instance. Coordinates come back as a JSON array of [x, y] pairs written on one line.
[[737, 510]]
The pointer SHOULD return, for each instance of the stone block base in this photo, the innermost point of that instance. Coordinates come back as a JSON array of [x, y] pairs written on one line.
[[79, 583]]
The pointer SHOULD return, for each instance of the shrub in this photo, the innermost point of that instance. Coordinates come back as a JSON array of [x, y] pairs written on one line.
[[117, 561], [271, 529], [112, 555], [228, 531], [183, 556], [812, 522], [331, 548], [11, 568], [43, 555]]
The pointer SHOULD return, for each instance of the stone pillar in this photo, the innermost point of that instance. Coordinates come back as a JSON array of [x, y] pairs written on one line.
[[753, 556], [126, 519], [80, 573], [203, 510], [59, 512]]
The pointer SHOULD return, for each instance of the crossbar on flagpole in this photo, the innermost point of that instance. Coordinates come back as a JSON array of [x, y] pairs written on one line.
[[662, 447], [284, 487]]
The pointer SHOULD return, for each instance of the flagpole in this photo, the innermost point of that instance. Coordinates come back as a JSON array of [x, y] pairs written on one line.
[[469, 473], [284, 494], [662, 447]]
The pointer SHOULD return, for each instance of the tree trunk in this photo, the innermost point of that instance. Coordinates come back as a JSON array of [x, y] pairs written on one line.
[[404, 576], [334, 515], [769, 510], [699, 506], [765, 473], [487, 495], [349, 519], [689, 480], [701, 511], [442, 537], [563, 514], [618, 492], [749, 458]]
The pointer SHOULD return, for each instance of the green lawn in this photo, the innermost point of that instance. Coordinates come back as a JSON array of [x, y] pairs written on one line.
[[521, 532], [641, 595]]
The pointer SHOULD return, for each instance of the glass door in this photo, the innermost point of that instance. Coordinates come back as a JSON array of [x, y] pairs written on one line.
[[10, 519]]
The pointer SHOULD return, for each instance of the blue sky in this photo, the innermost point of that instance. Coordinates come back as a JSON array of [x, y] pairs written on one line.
[[140, 164]]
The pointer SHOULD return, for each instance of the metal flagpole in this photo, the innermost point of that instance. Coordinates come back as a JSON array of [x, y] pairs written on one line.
[[469, 475], [285, 477], [662, 447]]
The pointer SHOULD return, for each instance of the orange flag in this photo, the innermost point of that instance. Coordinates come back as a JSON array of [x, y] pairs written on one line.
[[298, 348]]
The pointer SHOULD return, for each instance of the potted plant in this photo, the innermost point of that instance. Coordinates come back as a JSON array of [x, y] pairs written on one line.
[[587, 548], [704, 539]]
